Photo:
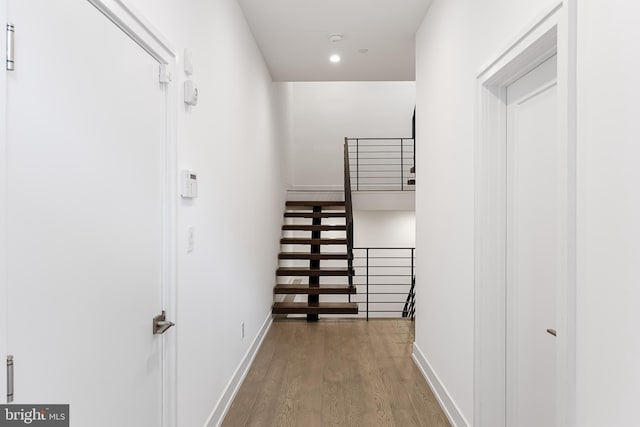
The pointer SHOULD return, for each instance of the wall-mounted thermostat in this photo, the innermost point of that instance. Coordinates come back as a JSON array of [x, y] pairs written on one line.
[[190, 93], [189, 184]]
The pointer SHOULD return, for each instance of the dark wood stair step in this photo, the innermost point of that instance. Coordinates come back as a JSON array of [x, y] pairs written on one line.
[[306, 271], [310, 208], [314, 227], [315, 214], [315, 308], [304, 241], [411, 182], [314, 290], [307, 255], [311, 203], [412, 170]]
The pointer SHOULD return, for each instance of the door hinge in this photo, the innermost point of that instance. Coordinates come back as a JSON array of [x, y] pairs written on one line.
[[11, 31], [165, 74], [9, 379]]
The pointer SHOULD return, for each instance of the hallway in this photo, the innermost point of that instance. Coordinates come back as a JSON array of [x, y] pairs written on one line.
[[337, 373]]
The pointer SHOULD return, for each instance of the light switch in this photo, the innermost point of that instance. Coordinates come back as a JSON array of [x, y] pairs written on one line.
[[190, 238], [188, 62]]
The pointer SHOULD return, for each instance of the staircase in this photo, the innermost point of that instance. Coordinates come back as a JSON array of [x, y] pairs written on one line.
[[315, 251]]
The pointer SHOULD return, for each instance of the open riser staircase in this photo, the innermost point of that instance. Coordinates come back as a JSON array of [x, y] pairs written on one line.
[[315, 273]]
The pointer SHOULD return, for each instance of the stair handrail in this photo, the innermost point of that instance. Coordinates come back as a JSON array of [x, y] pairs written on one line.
[[348, 209], [409, 309], [381, 164]]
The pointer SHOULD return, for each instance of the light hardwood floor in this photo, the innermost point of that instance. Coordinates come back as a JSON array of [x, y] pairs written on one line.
[[336, 373]]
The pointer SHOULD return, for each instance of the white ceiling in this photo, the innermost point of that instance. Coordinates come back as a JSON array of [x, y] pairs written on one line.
[[293, 36]]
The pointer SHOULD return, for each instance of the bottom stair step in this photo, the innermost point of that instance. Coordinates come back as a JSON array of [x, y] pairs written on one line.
[[311, 290], [318, 308]]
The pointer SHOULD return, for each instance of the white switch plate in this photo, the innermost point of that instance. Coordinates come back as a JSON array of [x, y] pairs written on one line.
[[188, 62], [190, 239]]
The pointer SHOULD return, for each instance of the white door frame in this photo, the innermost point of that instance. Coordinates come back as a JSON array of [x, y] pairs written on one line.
[[4, 304], [553, 32]]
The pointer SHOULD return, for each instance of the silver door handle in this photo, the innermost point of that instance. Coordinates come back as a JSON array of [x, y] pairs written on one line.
[[552, 332], [9, 379], [161, 324]]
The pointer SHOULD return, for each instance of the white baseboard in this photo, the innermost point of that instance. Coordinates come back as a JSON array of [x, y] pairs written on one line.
[[230, 391], [447, 403]]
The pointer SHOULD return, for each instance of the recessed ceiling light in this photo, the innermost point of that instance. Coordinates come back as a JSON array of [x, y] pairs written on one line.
[[364, 50], [334, 58], [336, 37]]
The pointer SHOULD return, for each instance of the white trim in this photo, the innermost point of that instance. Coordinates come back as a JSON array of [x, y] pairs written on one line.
[[224, 403], [567, 83], [445, 400], [4, 309], [489, 262], [540, 25], [553, 32], [170, 256], [138, 28], [132, 23]]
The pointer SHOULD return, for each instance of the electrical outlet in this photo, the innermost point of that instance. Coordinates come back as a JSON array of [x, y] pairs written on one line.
[[242, 326]]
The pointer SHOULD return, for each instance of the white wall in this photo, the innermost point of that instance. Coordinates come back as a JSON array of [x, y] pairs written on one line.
[[233, 140], [324, 113], [608, 342], [456, 38], [394, 229]]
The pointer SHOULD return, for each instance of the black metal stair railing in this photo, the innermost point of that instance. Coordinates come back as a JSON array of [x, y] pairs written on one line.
[[382, 164], [385, 280], [409, 309], [348, 206], [386, 274]]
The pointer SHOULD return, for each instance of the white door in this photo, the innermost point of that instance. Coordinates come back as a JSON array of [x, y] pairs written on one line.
[[534, 241], [86, 131]]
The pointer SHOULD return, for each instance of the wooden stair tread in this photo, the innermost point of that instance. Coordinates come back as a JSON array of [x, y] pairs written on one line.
[[311, 203], [314, 290], [306, 227], [315, 308], [411, 182], [306, 271], [307, 255], [305, 241], [328, 208], [315, 214]]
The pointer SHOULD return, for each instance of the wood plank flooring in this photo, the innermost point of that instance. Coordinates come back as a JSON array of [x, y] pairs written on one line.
[[336, 373]]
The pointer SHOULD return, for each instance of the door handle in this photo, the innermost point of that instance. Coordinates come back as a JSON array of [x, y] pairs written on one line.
[[161, 324], [552, 332], [9, 379]]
